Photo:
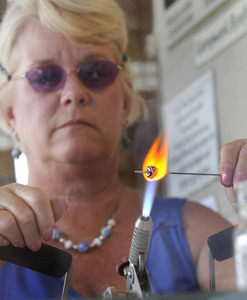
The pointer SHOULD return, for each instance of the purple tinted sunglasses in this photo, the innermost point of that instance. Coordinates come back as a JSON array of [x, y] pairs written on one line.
[[50, 78]]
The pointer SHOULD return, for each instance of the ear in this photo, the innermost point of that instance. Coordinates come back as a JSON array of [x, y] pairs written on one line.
[[9, 117]]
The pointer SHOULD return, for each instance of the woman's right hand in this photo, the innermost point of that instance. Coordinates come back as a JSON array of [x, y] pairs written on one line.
[[27, 215]]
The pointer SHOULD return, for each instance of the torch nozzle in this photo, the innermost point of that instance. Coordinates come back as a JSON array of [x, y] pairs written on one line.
[[140, 241]]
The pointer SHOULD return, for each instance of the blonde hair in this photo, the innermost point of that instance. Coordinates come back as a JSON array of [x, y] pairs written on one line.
[[94, 21]]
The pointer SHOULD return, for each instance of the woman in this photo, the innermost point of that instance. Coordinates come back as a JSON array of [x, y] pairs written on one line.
[[66, 96]]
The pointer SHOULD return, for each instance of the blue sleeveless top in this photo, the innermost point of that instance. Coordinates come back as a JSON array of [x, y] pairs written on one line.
[[169, 261]]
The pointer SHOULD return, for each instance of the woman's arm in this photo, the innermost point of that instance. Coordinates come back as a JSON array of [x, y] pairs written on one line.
[[200, 223]]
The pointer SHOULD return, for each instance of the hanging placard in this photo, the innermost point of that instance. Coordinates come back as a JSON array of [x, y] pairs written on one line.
[[193, 137]]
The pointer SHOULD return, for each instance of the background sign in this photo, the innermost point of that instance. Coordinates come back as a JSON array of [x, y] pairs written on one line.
[[193, 137], [184, 15], [221, 33]]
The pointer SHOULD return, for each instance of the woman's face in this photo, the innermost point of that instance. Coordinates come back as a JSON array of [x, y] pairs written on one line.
[[75, 122]]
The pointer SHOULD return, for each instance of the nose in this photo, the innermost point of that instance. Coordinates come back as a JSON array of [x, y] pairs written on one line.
[[68, 101], [73, 91]]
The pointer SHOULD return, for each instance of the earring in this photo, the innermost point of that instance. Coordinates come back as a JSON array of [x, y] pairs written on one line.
[[16, 152], [126, 141]]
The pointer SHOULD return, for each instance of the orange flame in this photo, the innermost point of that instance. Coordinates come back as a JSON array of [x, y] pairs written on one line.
[[157, 157]]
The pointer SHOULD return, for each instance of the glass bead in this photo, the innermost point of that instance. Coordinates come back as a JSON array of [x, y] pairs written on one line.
[[105, 232], [111, 222], [83, 247], [68, 244], [56, 235], [97, 242]]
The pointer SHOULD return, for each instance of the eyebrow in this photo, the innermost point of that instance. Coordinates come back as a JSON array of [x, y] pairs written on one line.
[[88, 58], [40, 62], [96, 55]]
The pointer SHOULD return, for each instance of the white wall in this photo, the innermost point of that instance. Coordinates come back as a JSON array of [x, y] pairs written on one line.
[[178, 71]]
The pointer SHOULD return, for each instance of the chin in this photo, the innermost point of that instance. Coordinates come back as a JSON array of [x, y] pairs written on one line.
[[76, 156], [79, 152]]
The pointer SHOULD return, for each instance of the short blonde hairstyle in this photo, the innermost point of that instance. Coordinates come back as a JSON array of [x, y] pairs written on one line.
[[93, 21]]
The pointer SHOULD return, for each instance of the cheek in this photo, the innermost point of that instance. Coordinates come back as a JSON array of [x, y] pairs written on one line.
[[30, 110], [113, 114], [114, 102]]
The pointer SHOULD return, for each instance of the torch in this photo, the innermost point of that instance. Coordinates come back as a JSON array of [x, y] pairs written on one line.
[[134, 268], [136, 273]]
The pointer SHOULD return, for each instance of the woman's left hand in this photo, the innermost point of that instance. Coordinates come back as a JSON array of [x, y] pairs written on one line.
[[233, 166]]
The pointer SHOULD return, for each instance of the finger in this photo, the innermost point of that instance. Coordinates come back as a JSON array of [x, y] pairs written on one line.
[[33, 211], [229, 156], [20, 221], [231, 195], [240, 173], [4, 241], [9, 230], [47, 211], [59, 206], [23, 214], [40, 204]]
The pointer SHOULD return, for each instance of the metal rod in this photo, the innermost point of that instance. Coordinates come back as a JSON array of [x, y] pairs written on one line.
[[185, 173], [182, 173]]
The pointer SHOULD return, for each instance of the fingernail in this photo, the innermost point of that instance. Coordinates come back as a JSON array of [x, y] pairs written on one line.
[[47, 234], [22, 244], [5, 242], [227, 175], [238, 178], [36, 247], [64, 202]]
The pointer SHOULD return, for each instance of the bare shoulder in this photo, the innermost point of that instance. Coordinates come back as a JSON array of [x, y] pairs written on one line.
[[194, 213], [200, 222]]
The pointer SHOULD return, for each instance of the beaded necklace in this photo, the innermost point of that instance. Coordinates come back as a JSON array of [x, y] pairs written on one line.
[[84, 246]]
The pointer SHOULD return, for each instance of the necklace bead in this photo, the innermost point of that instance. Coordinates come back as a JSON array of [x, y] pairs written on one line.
[[68, 244], [83, 246], [96, 242]]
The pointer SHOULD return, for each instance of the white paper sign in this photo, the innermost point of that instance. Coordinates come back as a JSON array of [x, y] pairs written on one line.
[[183, 15], [193, 136], [221, 33]]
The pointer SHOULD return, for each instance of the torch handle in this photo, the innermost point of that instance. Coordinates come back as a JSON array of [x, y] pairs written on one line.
[[48, 260]]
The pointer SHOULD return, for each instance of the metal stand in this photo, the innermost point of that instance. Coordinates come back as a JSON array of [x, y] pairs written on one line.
[[211, 271], [219, 248]]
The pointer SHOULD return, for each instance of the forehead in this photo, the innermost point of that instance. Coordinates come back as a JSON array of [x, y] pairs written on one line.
[[36, 43]]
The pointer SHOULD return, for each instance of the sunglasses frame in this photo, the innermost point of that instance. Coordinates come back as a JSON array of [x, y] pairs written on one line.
[[65, 74]]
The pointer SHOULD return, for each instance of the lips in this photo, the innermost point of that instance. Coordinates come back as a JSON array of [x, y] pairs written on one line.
[[75, 123]]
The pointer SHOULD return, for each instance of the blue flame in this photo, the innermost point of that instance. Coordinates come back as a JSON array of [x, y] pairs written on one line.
[[149, 198]]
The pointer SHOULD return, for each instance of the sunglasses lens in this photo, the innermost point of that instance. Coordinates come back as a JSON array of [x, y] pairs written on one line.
[[46, 78], [98, 74]]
